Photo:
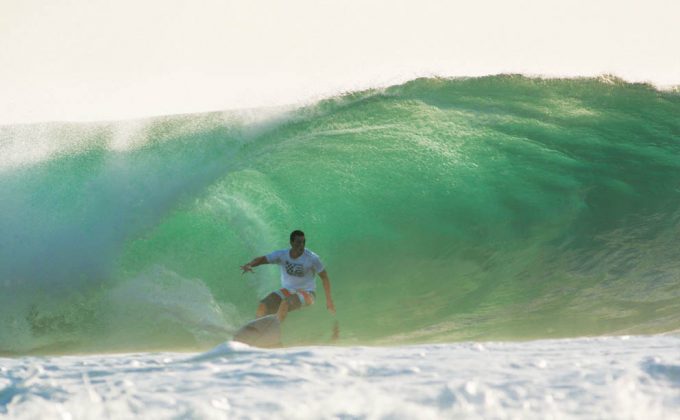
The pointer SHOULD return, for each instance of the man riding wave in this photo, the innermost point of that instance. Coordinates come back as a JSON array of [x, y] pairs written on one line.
[[298, 266]]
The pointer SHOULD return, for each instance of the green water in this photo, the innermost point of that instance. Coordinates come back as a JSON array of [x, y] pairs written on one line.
[[501, 207]]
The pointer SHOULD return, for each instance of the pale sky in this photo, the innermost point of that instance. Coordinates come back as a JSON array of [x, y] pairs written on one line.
[[93, 59]]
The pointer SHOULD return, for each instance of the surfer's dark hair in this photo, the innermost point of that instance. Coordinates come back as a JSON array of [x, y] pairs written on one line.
[[294, 234]]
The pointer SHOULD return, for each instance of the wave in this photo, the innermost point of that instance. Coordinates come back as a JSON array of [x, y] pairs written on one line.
[[501, 207]]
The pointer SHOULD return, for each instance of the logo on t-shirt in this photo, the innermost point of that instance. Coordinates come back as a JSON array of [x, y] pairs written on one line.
[[294, 269]]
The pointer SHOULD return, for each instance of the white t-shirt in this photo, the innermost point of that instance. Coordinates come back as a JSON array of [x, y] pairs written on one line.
[[297, 273]]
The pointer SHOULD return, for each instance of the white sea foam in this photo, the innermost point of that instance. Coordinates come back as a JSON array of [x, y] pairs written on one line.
[[622, 377]]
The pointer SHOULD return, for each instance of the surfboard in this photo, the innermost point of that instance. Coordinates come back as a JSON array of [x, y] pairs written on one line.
[[260, 332]]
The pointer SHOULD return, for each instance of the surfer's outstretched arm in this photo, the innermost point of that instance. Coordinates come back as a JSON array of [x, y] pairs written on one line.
[[254, 263], [327, 288]]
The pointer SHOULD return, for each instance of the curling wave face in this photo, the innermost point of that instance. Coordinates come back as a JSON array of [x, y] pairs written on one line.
[[501, 207]]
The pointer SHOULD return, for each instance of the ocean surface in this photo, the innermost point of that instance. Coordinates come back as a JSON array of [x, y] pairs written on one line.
[[596, 378], [488, 223]]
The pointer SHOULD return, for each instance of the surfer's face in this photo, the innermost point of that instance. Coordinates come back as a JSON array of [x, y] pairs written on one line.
[[298, 243]]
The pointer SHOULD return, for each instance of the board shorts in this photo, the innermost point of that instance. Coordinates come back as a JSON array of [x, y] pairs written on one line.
[[296, 299]]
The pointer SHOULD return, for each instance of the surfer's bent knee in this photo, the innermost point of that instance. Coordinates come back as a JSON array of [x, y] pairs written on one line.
[[296, 300]]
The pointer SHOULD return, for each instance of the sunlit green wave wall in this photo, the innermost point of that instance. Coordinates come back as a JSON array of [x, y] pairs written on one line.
[[501, 207]]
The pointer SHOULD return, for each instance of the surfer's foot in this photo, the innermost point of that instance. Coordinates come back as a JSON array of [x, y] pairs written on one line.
[[261, 311]]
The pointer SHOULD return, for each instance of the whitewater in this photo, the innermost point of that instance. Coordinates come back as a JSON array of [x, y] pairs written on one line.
[[499, 247], [624, 377]]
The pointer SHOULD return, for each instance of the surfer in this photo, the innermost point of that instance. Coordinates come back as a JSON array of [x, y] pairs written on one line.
[[298, 288]]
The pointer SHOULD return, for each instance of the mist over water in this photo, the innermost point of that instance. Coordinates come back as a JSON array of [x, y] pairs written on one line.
[[501, 207]]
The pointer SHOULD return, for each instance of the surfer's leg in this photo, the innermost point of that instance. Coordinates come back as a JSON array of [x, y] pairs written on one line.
[[283, 310], [294, 302], [269, 305]]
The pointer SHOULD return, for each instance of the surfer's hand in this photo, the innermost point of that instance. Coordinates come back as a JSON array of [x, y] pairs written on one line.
[[330, 306], [246, 268]]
